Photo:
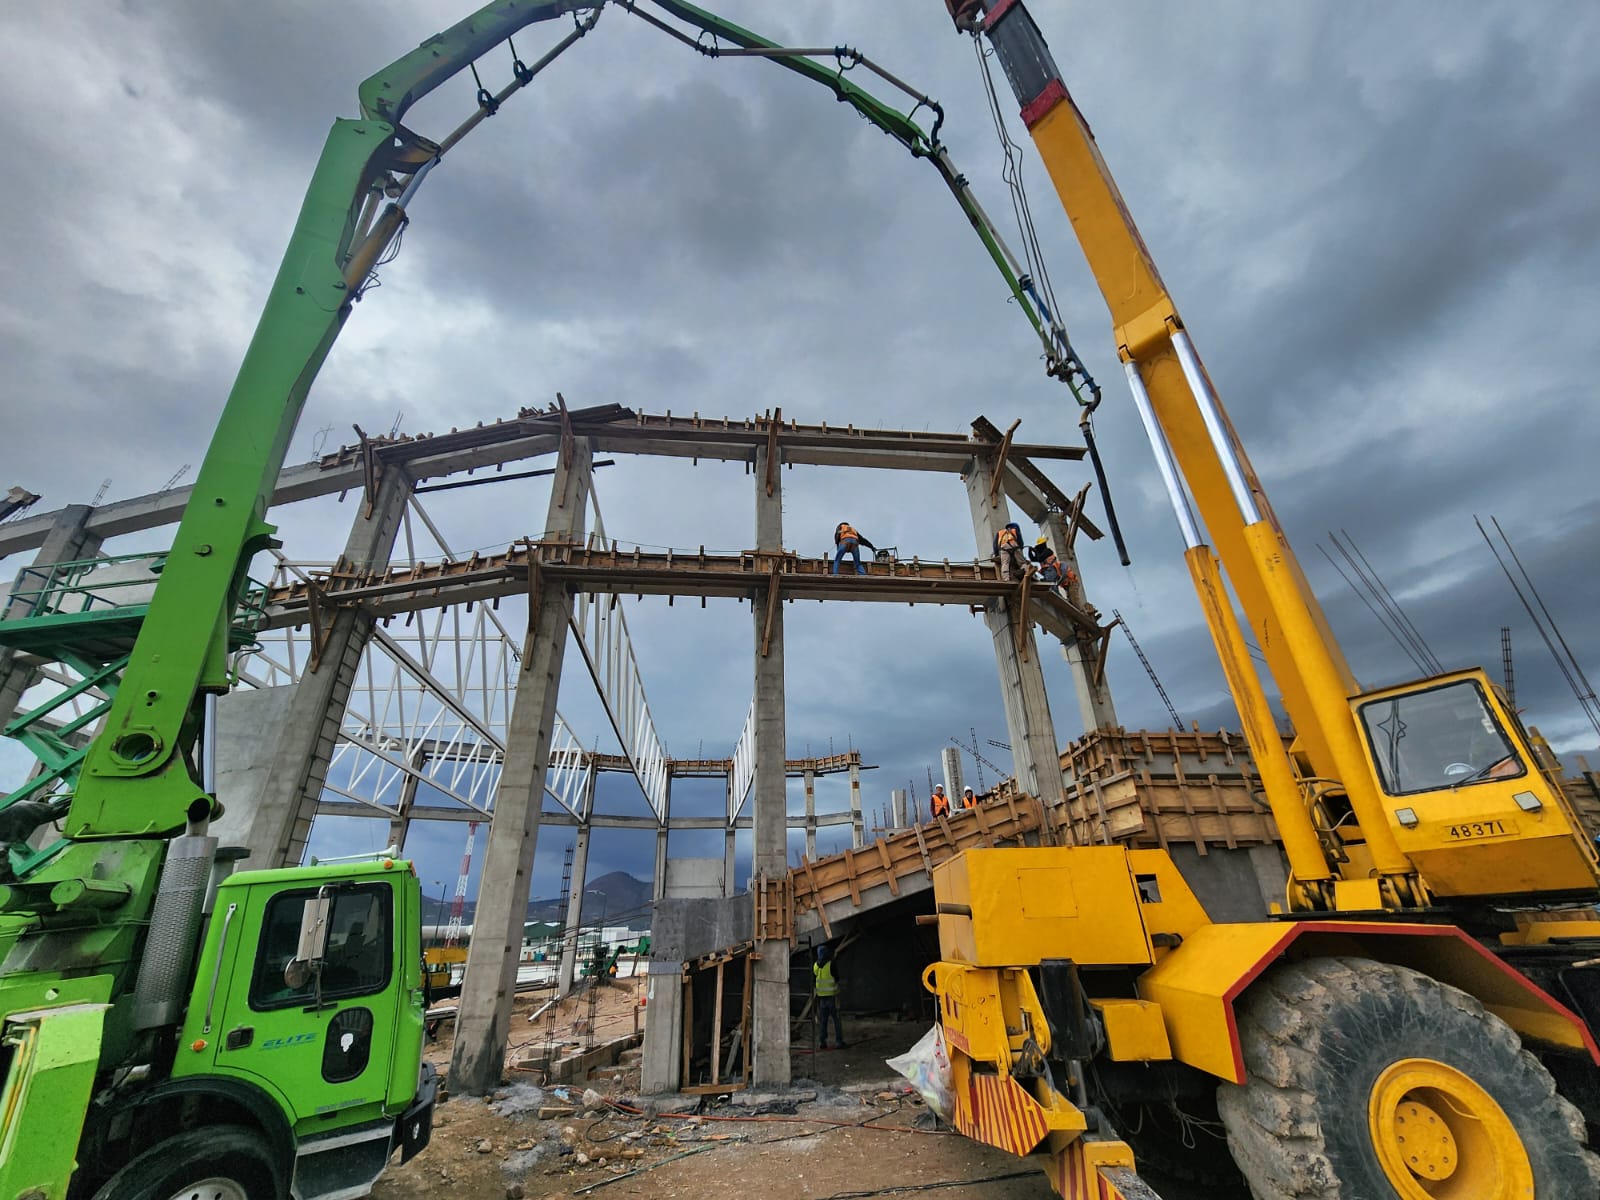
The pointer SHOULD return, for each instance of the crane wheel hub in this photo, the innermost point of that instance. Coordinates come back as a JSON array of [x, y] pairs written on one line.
[[1439, 1135]]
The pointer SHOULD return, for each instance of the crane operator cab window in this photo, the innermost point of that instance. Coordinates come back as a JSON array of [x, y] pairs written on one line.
[[1441, 737]]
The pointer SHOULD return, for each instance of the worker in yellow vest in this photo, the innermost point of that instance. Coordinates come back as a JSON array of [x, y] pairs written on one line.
[[846, 540], [827, 985]]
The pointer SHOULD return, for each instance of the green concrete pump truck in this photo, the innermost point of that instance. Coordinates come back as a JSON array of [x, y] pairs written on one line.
[[172, 1027]]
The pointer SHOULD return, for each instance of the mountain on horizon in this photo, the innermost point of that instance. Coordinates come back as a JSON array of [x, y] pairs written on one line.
[[614, 899]]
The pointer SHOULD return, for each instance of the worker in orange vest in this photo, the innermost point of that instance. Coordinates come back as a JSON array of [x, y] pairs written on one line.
[[968, 800], [1008, 551], [939, 803], [846, 540]]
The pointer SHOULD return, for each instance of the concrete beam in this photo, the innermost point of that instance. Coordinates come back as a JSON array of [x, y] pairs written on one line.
[[484, 1022]]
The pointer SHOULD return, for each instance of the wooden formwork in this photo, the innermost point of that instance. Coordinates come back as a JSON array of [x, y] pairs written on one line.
[[914, 851], [1583, 789], [1150, 788]]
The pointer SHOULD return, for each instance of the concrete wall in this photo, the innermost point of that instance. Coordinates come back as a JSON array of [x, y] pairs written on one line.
[[249, 723], [694, 879]]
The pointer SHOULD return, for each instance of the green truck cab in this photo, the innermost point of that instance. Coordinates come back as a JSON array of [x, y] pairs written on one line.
[[288, 1075]]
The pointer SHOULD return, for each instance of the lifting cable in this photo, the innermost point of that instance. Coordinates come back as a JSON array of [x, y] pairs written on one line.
[[1065, 363]]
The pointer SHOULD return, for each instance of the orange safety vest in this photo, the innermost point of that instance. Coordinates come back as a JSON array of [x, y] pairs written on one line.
[[845, 530], [1007, 539], [940, 805]]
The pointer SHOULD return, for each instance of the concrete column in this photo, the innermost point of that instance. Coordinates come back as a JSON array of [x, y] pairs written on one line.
[[569, 944], [1034, 753], [659, 883], [950, 760], [898, 807], [729, 863], [661, 1065], [770, 1006], [270, 810], [1094, 698], [400, 827], [811, 814], [67, 541], [484, 1021], [858, 833]]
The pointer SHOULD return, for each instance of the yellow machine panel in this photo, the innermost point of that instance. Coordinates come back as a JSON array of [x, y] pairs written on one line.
[[1135, 1030], [1016, 907]]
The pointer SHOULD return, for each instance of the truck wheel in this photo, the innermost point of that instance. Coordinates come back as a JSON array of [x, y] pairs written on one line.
[[1368, 1081], [224, 1162]]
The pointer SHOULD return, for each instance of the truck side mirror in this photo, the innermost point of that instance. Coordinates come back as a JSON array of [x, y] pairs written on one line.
[[313, 944]]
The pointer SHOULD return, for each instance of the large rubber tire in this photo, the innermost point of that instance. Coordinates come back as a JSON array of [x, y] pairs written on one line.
[[224, 1162], [1318, 1035]]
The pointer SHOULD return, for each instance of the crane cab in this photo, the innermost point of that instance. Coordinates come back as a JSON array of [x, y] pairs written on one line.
[[1469, 802]]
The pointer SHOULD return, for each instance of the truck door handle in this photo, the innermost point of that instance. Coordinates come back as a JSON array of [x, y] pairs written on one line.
[[239, 1038]]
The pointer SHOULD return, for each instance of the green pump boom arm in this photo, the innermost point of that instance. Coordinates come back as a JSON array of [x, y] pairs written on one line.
[[138, 777]]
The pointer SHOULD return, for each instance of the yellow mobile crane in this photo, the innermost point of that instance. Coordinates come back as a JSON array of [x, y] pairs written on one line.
[[1401, 1028]]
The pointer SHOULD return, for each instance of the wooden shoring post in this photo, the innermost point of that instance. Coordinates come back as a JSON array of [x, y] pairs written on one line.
[[686, 1079], [1022, 625], [1102, 652], [774, 598], [1000, 464], [850, 876], [315, 599], [749, 979], [716, 1029], [371, 472], [816, 896], [922, 848], [888, 867], [772, 451], [566, 439], [1074, 519]]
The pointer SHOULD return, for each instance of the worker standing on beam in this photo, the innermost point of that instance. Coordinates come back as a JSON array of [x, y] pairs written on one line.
[[847, 541], [968, 799], [938, 803], [1050, 569], [1008, 552]]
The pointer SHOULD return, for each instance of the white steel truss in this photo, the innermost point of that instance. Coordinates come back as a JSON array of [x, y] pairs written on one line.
[[744, 766], [601, 630]]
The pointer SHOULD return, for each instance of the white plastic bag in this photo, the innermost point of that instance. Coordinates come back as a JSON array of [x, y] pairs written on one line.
[[927, 1066]]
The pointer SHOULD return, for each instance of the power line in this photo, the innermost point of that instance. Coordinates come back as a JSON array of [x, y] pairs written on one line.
[[1377, 616]]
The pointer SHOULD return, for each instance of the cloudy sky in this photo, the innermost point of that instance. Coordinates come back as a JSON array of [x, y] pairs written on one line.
[[1378, 221]]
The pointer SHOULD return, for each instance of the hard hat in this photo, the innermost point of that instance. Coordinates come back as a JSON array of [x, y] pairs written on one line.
[[966, 791], [1042, 540], [938, 787]]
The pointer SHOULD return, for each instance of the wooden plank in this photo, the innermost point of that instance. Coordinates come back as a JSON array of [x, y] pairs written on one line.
[[716, 1030], [850, 875], [888, 868], [922, 848], [711, 1089], [688, 1032], [749, 975]]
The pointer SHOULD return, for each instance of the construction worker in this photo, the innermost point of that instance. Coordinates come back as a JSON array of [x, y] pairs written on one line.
[[968, 800], [938, 803], [847, 541], [1050, 569], [1008, 552], [827, 985]]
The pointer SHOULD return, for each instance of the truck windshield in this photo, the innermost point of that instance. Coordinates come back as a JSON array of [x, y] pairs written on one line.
[[360, 947], [1440, 737]]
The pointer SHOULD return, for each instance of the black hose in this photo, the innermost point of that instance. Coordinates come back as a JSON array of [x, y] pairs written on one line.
[[1100, 477]]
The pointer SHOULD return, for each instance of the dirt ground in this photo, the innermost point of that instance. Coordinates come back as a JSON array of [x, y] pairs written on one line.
[[848, 1128]]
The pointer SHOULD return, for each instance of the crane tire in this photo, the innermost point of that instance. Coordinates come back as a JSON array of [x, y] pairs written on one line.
[[1346, 1059], [217, 1162]]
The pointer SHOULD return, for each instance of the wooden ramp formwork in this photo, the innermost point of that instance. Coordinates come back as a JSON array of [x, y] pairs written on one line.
[[1170, 789]]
